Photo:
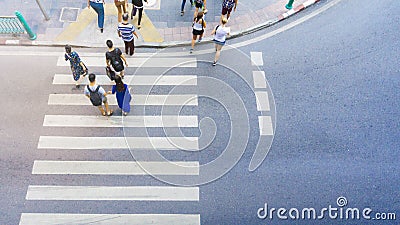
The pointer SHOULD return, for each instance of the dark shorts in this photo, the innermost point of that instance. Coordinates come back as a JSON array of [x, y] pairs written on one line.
[[218, 42], [198, 5], [226, 10], [197, 32]]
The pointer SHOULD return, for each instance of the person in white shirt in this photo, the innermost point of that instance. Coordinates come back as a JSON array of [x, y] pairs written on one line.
[[220, 32], [199, 24]]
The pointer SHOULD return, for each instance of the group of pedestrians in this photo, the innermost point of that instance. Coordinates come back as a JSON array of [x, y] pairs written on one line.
[[115, 70], [122, 7], [199, 24]]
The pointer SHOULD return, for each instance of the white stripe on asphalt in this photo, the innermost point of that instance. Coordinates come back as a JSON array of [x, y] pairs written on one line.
[[164, 100], [259, 79], [265, 124], [136, 62], [149, 80], [115, 167], [145, 143], [108, 219], [262, 100], [256, 58], [119, 121], [112, 193]]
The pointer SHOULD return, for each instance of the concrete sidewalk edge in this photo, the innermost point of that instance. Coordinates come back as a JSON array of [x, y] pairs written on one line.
[[249, 30]]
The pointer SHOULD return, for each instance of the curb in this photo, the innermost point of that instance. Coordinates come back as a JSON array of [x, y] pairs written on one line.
[[283, 16]]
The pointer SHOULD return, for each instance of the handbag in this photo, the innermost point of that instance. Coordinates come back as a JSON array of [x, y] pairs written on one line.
[[110, 73]]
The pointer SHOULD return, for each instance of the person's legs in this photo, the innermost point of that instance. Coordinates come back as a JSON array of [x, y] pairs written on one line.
[[126, 47], [98, 7], [218, 53], [119, 8], [140, 16], [193, 41], [122, 74], [101, 110], [109, 112], [131, 46], [183, 6]]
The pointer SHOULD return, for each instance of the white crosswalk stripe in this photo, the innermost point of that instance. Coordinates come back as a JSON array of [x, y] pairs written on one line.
[[115, 167], [140, 143], [136, 80], [112, 193], [156, 100], [108, 219], [119, 121], [137, 62], [108, 191]]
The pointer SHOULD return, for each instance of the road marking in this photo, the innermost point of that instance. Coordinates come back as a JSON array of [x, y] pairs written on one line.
[[115, 168], [262, 100], [108, 219], [256, 58], [137, 62], [112, 193], [139, 143], [119, 121], [259, 79], [136, 80], [147, 100], [265, 124]]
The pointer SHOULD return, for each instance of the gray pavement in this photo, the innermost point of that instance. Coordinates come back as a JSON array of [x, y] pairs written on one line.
[[72, 22]]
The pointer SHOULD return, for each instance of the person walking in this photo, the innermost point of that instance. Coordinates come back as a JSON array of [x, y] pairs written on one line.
[[78, 68], [98, 6], [137, 6], [126, 31], [199, 24], [220, 32], [97, 95], [227, 6], [121, 7], [200, 4], [183, 6], [122, 94], [114, 58]]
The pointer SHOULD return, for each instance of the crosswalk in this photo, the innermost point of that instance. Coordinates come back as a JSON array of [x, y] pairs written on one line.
[[73, 143]]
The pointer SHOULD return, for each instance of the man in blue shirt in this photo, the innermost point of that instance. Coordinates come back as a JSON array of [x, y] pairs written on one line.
[[126, 31]]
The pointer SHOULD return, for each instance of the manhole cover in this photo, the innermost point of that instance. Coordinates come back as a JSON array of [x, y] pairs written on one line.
[[69, 14]]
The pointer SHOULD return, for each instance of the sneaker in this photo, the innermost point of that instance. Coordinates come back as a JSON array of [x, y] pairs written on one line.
[[191, 50], [199, 40], [182, 13], [138, 27], [101, 30], [214, 63]]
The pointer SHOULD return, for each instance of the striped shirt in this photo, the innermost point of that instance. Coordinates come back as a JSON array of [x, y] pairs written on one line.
[[228, 3], [126, 31]]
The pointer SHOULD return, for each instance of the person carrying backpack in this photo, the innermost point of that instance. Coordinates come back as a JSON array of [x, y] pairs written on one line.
[[198, 29], [97, 95], [114, 58]]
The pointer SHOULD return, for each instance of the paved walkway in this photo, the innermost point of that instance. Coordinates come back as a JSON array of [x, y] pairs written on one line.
[[162, 24]]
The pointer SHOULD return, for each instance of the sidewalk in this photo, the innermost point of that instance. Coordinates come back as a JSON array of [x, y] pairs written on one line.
[[162, 25]]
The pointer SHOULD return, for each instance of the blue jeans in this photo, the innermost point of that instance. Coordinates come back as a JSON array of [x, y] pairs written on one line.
[[183, 4], [99, 8]]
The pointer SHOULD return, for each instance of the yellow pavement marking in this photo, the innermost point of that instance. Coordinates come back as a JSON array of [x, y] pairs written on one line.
[[148, 31], [74, 29]]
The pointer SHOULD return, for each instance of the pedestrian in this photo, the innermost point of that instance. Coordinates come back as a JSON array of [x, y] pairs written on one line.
[[114, 58], [199, 24], [122, 94], [137, 5], [78, 68], [200, 4], [97, 95], [126, 31], [121, 7], [227, 6], [220, 32], [98, 6], [183, 6]]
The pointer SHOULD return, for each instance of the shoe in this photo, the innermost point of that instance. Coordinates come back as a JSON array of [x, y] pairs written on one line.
[[78, 86], [110, 113], [199, 40], [101, 30], [182, 13], [191, 50], [214, 63], [124, 113], [205, 11], [138, 27]]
